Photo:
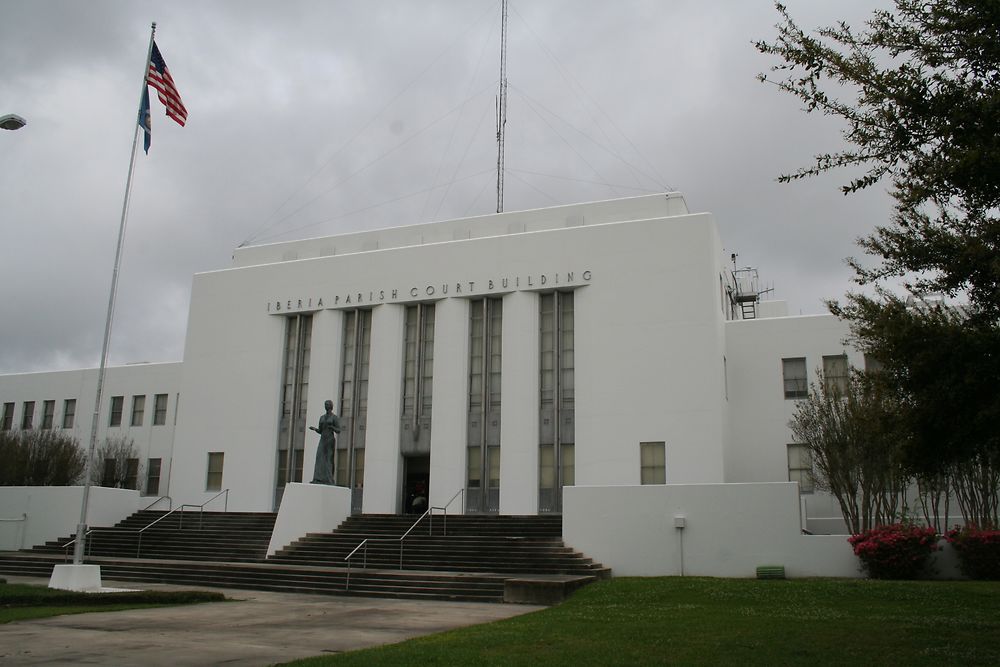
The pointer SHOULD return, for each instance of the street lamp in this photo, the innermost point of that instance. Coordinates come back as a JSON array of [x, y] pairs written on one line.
[[12, 122]]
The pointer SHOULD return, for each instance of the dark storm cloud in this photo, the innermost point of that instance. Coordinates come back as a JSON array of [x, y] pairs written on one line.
[[293, 103]]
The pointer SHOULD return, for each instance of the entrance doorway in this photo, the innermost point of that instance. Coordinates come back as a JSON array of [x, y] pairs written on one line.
[[416, 484]]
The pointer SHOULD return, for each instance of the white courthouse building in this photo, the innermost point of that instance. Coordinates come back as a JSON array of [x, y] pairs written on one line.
[[537, 360]]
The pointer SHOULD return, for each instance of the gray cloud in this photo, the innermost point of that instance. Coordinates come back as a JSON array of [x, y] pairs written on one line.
[[291, 104]]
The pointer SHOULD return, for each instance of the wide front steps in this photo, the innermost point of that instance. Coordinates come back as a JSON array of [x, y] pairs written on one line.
[[481, 544], [208, 536], [279, 578], [470, 558]]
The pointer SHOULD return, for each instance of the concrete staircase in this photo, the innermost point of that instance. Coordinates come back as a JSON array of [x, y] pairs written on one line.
[[209, 536], [471, 558], [515, 545]]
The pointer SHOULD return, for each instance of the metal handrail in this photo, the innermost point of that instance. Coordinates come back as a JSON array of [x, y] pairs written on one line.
[[444, 510], [430, 531], [138, 546], [150, 505], [65, 547], [201, 508], [180, 523]]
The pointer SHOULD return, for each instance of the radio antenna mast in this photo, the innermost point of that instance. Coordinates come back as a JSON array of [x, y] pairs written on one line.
[[502, 104]]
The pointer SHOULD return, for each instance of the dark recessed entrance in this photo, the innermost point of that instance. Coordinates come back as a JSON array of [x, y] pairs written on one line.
[[416, 484]]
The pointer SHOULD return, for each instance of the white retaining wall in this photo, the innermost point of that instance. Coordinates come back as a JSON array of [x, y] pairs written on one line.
[[52, 512], [730, 530]]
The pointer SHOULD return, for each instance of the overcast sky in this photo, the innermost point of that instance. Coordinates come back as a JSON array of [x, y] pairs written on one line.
[[315, 117]]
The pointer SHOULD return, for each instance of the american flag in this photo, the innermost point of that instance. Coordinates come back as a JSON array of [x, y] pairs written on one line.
[[160, 79]]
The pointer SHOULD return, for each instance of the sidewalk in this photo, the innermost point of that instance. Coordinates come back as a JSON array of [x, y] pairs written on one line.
[[256, 628]]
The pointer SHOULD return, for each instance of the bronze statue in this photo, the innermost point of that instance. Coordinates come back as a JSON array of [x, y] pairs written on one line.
[[329, 427]]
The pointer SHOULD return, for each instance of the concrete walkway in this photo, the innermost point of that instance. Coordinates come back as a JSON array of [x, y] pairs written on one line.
[[256, 628]]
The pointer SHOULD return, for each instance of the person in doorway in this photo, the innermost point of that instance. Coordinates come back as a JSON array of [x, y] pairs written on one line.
[[329, 427], [418, 504]]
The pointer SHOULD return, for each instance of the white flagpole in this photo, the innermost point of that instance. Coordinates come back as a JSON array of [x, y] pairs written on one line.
[[81, 528]]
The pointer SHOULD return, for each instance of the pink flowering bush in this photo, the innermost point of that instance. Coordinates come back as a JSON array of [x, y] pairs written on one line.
[[978, 551], [899, 551]]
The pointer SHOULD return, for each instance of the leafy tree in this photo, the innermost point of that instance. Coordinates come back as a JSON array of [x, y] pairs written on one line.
[[925, 116], [40, 458], [854, 437]]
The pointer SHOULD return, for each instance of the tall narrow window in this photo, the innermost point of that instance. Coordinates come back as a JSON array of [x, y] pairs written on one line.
[[153, 476], [483, 450], [800, 468], [110, 477], [160, 410], [69, 413], [349, 464], [653, 462], [836, 374], [557, 403], [117, 407], [138, 410], [873, 365], [294, 392], [418, 377], [213, 481], [28, 417], [794, 375], [131, 474], [7, 421], [48, 413]]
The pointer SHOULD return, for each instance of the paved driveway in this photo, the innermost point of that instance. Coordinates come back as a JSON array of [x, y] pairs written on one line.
[[258, 628]]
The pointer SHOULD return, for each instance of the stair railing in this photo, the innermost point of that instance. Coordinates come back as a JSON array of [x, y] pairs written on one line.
[[150, 505], [180, 522], [444, 510], [65, 547], [429, 512], [201, 508], [138, 546]]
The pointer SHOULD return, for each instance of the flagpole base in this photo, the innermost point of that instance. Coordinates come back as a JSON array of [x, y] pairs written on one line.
[[86, 578]]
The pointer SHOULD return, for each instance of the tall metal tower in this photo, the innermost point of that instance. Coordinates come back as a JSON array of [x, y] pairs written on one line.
[[502, 105]]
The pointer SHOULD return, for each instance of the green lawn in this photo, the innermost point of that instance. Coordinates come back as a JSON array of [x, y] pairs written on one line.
[[701, 621], [20, 602]]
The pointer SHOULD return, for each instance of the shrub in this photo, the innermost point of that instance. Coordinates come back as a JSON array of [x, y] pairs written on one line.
[[978, 551], [40, 457], [897, 551]]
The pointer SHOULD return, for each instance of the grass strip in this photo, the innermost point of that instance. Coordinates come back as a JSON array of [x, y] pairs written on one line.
[[707, 621], [22, 601]]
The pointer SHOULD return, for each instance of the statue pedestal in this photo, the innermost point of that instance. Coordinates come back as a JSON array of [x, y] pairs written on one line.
[[85, 578]]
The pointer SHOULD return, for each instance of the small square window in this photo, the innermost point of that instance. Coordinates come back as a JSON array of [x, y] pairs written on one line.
[[795, 379], [138, 410], [836, 374], [69, 413], [872, 364], [653, 462], [28, 418], [800, 468], [117, 406], [7, 421], [131, 474], [109, 478], [214, 479], [48, 413], [153, 476], [160, 410]]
